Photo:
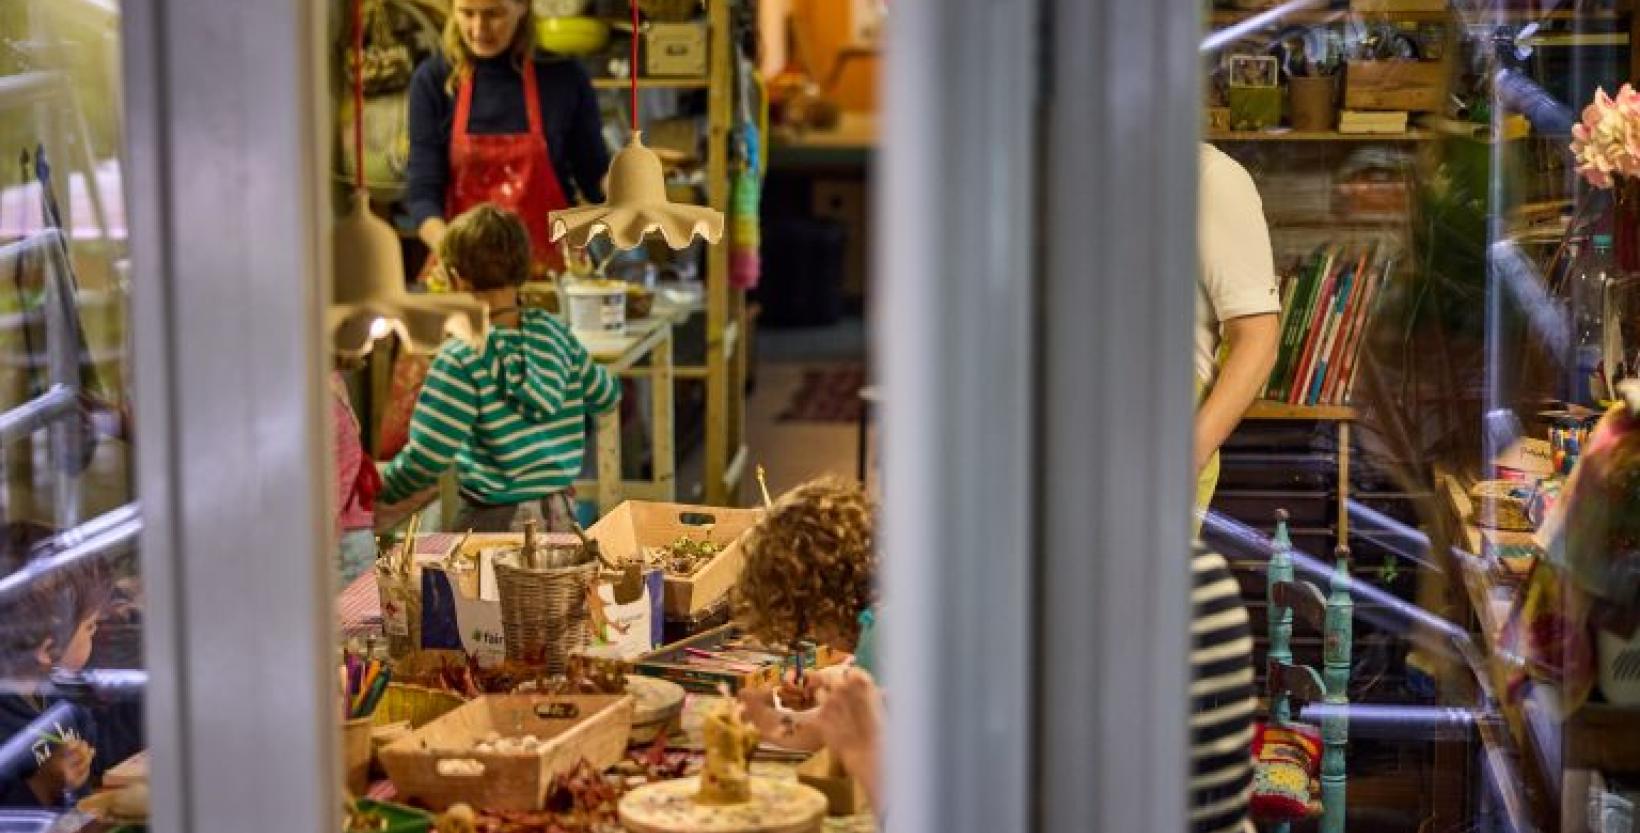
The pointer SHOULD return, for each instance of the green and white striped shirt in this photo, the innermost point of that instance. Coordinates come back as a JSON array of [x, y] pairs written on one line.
[[512, 415]]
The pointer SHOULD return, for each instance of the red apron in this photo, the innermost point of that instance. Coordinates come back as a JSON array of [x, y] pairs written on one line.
[[512, 170]]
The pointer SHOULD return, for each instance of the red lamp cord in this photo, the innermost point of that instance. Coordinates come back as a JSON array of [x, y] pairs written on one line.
[[633, 72], [358, 93]]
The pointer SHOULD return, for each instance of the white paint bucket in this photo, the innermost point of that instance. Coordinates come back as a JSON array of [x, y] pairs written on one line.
[[597, 308]]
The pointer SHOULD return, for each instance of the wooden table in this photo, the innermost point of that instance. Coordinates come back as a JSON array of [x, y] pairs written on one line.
[[652, 338]]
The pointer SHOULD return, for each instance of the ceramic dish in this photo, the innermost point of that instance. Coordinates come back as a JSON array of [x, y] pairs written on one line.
[[572, 35]]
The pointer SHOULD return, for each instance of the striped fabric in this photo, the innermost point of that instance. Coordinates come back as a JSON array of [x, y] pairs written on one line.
[[1222, 700], [512, 415]]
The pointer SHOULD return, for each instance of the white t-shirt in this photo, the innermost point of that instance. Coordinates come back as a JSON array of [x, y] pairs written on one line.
[[1238, 273]]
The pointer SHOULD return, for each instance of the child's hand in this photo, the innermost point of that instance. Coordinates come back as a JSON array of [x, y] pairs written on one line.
[[67, 770], [850, 718], [771, 725]]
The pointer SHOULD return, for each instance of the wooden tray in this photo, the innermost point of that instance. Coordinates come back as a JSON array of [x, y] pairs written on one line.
[[776, 807], [598, 733], [628, 529]]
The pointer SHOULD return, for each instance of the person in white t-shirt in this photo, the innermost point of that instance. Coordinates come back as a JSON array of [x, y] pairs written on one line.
[[1237, 309]]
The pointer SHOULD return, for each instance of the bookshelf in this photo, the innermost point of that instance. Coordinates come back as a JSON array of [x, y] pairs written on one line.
[[1265, 409]]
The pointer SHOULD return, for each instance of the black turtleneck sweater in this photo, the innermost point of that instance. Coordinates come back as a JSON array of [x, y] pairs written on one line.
[[569, 115]]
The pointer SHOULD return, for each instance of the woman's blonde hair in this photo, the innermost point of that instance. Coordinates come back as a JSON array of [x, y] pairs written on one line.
[[460, 58]]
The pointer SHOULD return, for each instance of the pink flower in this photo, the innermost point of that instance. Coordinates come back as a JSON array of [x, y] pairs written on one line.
[[1607, 139]]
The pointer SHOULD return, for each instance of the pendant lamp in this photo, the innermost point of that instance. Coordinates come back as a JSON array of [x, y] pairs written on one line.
[[368, 300], [636, 202]]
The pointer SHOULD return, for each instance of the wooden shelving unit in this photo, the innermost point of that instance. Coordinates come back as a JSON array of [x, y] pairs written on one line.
[[1322, 136], [1232, 17], [1342, 416], [1597, 736], [653, 84], [1265, 409], [725, 307]]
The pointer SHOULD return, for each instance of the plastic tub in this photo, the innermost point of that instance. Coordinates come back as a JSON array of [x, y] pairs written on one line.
[[597, 308]]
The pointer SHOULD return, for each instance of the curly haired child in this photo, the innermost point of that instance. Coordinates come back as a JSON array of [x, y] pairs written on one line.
[[810, 573], [47, 626]]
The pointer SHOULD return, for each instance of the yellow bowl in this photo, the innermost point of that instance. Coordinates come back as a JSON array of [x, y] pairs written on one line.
[[571, 35]]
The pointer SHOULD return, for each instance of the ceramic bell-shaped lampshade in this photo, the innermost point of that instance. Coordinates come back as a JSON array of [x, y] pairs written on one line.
[[635, 206], [369, 300]]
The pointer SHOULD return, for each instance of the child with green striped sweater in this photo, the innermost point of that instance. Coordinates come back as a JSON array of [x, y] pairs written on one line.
[[510, 412]]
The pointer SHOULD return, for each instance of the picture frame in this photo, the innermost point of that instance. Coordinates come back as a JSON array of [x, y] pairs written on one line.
[[1253, 71]]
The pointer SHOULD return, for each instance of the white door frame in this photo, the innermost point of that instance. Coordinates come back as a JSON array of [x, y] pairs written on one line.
[[227, 198]]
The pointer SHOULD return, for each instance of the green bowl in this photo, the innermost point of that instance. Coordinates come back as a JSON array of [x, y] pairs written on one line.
[[571, 35]]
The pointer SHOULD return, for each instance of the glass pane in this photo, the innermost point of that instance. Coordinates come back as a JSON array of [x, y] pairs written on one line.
[[71, 600], [1445, 424], [632, 421]]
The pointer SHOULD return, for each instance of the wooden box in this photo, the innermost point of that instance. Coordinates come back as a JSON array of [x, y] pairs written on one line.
[[627, 530], [1254, 108], [1415, 86], [673, 663], [594, 727], [844, 795], [676, 49]]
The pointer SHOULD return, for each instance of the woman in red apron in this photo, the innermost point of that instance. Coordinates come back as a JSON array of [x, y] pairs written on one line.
[[494, 120]]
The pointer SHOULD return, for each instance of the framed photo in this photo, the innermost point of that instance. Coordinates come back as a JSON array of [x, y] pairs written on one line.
[[1253, 71]]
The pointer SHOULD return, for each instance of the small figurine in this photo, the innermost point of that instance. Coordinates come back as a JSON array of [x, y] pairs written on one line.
[[729, 742]]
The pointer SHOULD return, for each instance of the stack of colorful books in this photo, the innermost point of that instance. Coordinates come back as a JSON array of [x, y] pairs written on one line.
[[1326, 307]]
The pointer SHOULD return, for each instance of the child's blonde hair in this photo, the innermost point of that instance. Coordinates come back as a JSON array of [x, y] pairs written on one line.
[[810, 564], [488, 247]]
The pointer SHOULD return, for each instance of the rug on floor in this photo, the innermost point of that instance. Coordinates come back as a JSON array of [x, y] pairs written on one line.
[[827, 394]]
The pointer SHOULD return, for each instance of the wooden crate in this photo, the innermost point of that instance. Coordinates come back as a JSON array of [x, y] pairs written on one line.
[[628, 529], [597, 732], [1414, 86]]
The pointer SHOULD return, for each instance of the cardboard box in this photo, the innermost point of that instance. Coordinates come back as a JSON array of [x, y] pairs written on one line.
[[466, 611], [1415, 86], [676, 49], [636, 525], [575, 727], [673, 663]]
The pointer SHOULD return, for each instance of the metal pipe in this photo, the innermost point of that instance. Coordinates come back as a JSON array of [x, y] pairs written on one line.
[[18, 423], [105, 535], [1386, 722]]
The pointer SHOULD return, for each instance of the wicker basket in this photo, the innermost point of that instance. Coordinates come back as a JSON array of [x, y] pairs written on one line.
[[417, 705], [544, 613], [1501, 504]]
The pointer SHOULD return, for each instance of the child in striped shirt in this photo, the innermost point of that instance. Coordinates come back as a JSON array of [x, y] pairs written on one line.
[[510, 412]]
